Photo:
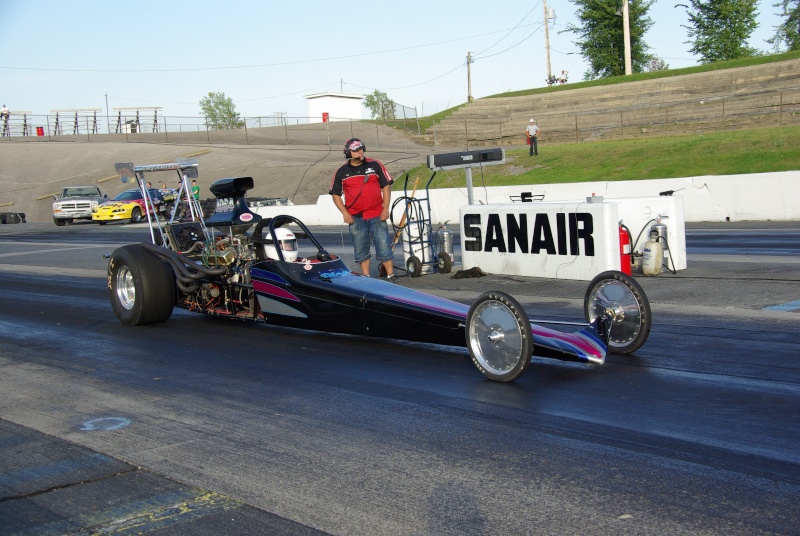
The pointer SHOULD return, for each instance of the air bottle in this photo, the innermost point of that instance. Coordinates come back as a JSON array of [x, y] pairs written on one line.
[[652, 258]]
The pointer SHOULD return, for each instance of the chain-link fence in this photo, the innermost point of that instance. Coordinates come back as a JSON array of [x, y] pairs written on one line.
[[501, 124], [279, 129]]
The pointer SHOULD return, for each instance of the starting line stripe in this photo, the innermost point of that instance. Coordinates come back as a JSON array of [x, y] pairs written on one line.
[[153, 513], [786, 307]]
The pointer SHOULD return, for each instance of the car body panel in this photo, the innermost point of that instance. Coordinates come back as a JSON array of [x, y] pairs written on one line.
[[121, 207], [327, 296]]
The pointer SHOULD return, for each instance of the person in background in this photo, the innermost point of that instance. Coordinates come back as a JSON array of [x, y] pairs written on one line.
[[4, 113], [532, 136], [195, 190], [362, 191]]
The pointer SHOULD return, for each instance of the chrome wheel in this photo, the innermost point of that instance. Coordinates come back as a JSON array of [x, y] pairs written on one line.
[[622, 300], [126, 288], [499, 336]]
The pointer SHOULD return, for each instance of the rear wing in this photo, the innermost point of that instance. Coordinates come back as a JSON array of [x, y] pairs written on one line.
[[127, 172]]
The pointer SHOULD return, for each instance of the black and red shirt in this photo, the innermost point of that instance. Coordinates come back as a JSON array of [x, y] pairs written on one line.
[[361, 186]]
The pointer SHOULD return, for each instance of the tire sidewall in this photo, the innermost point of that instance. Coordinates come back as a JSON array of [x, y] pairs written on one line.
[[641, 300], [136, 215], [154, 285], [525, 331]]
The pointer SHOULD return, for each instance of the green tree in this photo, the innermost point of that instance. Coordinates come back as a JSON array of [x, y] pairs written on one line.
[[788, 33], [380, 105], [601, 36], [220, 112], [656, 63], [720, 29]]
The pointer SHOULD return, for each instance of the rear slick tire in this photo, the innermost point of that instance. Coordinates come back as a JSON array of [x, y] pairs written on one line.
[[141, 287]]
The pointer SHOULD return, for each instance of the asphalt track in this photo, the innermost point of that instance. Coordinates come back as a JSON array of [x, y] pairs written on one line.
[[207, 426]]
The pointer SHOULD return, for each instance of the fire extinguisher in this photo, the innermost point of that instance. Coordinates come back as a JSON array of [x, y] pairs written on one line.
[[624, 249]]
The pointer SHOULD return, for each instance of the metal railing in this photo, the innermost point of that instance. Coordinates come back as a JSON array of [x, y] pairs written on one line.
[[732, 112], [758, 109]]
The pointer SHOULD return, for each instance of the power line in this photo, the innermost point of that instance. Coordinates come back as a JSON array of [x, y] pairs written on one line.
[[252, 66]]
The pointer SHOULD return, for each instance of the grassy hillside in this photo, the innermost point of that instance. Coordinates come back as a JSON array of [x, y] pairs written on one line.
[[428, 121], [723, 153]]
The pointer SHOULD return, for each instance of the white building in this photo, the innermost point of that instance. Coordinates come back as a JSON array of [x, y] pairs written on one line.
[[333, 107]]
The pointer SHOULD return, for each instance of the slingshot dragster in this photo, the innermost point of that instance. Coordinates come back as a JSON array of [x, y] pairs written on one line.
[[218, 266]]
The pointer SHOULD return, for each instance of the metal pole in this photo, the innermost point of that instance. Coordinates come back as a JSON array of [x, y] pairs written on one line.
[[468, 176], [547, 42], [469, 77], [626, 32]]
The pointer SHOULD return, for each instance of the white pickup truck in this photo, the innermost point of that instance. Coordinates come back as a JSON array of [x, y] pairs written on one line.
[[76, 203]]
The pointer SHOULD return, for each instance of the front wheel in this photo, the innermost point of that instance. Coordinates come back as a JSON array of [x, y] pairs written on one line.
[[499, 336], [136, 215], [141, 287], [623, 301], [59, 222]]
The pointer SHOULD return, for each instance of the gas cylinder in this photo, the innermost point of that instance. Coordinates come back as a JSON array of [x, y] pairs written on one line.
[[651, 260], [661, 229], [444, 240], [624, 250]]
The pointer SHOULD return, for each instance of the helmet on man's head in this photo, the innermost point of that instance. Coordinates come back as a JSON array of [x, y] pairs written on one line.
[[353, 144], [286, 241]]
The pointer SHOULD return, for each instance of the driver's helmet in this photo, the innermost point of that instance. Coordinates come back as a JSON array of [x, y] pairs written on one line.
[[287, 242]]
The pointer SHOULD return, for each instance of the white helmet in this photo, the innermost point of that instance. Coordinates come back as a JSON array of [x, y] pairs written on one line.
[[288, 244]]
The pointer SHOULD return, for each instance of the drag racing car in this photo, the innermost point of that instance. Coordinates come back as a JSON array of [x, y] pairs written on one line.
[[239, 265]]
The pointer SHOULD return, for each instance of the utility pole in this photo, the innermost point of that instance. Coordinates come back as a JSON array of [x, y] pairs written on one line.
[[547, 41], [626, 35], [469, 77]]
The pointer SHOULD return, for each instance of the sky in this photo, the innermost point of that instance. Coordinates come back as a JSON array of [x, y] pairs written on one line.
[[267, 56]]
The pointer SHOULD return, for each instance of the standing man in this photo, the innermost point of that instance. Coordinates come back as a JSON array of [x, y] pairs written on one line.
[[4, 113], [532, 135], [362, 191], [195, 190]]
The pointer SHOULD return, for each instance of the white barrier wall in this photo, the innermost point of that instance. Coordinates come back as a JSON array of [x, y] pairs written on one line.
[[754, 197], [639, 214], [554, 240]]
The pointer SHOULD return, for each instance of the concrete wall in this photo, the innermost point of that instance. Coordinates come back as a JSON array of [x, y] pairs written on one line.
[[754, 197]]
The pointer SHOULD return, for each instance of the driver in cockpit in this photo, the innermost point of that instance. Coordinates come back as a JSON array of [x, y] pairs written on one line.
[[288, 244]]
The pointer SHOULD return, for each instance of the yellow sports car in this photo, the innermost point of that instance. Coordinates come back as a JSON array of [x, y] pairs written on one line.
[[127, 206]]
